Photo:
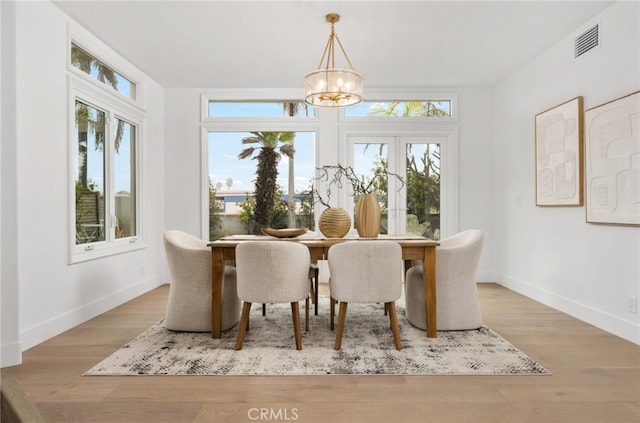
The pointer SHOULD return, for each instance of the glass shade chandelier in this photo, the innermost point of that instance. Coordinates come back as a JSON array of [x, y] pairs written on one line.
[[329, 86]]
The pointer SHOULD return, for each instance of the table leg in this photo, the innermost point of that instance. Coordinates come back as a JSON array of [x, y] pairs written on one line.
[[430, 291], [217, 277]]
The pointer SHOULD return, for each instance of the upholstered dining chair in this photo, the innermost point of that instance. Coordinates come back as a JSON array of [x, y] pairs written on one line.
[[366, 272], [189, 305], [273, 272], [458, 307]]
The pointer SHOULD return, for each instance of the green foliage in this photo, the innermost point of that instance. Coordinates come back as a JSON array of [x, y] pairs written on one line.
[[423, 186], [306, 217], [214, 211], [278, 217], [83, 190], [407, 109], [423, 192]]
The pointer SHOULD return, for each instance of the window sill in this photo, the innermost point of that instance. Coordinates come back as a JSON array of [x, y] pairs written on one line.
[[87, 252]]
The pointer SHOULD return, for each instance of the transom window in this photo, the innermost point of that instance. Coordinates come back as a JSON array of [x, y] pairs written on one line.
[[98, 70], [404, 109], [226, 109]]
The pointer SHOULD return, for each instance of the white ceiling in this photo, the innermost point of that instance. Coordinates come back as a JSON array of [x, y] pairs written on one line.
[[272, 44]]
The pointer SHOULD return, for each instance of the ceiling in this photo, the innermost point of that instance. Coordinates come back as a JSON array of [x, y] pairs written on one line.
[[272, 44]]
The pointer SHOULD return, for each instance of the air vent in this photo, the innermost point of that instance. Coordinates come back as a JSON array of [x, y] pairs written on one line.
[[588, 40]]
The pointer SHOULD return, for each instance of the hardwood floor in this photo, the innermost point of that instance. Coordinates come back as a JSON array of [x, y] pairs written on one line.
[[596, 378]]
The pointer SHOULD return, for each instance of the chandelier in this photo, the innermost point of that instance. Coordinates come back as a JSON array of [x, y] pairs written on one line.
[[329, 86]]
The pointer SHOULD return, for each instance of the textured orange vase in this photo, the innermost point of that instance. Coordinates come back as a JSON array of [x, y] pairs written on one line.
[[367, 216], [334, 222]]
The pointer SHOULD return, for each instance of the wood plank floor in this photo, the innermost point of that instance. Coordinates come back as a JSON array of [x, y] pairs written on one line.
[[596, 378]]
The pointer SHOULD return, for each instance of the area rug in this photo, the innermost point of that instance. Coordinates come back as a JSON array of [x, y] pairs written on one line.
[[367, 349]]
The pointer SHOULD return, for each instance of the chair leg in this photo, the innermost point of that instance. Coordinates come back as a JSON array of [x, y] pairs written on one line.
[[295, 313], [312, 291], [306, 314], [332, 312], [341, 319], [316, 276], [244, 324], [393, 317], [264, 309]]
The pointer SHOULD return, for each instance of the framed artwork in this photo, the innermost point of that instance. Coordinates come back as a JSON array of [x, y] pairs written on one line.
[[559, 146], [613, 161]]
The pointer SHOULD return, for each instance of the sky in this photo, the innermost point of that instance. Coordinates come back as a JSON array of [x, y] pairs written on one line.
[[224, 148]]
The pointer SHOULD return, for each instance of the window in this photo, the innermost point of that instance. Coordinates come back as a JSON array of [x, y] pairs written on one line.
[[416, 140], [225, 109], [95, 68], [401, 109], [232, 196], [105, 149], [413, 197]]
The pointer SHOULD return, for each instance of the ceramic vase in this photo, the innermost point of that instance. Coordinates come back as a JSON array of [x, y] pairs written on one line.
[[367, 216], [334, 222]]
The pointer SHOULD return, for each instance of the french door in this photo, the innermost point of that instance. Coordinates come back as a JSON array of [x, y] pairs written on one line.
[[411, 200]]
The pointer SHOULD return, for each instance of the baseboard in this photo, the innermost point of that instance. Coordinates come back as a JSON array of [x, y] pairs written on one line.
[[55, 326], [602, 320], [486, 276]]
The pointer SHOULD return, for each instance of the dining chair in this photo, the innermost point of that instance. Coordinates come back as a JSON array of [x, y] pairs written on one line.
[[314, 274], [366, 272], [458, 306], [189, 305], [272, 272]]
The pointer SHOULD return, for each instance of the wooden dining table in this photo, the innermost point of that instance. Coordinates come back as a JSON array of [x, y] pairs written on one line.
[[413, 248]]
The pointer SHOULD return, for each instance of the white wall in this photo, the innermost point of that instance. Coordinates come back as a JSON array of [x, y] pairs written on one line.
[[53, 295], [551, 253], [476, 169], [183, 173], [9, 331]]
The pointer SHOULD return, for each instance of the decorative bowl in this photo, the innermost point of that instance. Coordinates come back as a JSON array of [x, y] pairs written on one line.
[[285, 233]]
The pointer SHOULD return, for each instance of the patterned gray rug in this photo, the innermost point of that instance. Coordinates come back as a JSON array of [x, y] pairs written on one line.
[[367, 348]]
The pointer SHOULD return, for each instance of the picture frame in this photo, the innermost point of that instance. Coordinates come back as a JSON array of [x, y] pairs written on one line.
[[612, 170], [559, 142]]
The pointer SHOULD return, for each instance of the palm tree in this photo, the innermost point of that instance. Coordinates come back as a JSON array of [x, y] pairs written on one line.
[[267, 170], [407, 109], [84, 120], [292, 109], [87, 122]]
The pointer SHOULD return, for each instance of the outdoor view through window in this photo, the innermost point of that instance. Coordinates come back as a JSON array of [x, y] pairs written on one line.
[[105, 145], [239, 163]]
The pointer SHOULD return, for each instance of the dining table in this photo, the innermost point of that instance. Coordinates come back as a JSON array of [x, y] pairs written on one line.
[[414, 247]]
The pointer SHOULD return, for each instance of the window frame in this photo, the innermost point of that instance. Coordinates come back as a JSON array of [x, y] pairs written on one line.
[[87, 42], [449, 167], [88, 76], [233, 125], [84, 88], [332, 129], [257, 95], [387, 95]]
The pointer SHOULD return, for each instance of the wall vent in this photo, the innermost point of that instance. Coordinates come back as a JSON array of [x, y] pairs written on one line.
[[586, 41]]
